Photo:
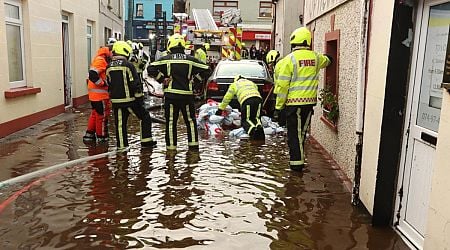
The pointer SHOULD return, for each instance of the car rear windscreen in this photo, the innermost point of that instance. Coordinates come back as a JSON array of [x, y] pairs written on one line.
[[244, 69]]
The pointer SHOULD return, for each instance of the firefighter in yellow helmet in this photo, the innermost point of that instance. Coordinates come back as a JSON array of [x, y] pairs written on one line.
[[139, 58], [250, 100], [201, 53], [126, 94], [297, 86], [180, 69]]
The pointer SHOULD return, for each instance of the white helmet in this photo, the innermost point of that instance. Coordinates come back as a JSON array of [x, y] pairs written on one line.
[[111, 41]]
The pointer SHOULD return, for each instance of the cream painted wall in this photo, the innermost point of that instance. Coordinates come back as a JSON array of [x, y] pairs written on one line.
[[43, 53], [438, 228], [379, 39], [287, 22], [341, 145]]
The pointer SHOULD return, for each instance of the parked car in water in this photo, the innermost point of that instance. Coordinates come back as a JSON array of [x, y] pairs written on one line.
[[254, 70]]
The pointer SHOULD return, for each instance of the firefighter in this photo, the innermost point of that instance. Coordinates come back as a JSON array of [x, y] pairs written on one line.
[[297, 87], [201, 53], [275, 62], [97, 128], [272, 59], [250, 100], [126, 92], [179, 89], [139, 58]]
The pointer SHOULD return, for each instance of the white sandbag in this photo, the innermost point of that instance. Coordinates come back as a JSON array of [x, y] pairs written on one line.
[[235, 115], [265, 121], [216, 118], [228, 121], [237, 123], [269, 131], [236, 133], [214, 128]]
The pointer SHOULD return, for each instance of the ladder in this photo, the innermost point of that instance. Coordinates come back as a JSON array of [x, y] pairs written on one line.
[[204, 20]]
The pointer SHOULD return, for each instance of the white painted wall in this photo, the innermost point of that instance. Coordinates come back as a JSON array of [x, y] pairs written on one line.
[[379, 39], [43, 52]]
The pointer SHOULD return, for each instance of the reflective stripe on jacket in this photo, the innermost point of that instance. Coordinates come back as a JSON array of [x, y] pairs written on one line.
[[298, 78], [243, 89], [123, 80], [97, 87], [180, 68]]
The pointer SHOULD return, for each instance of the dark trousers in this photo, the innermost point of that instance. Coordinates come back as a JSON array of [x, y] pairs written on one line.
[[121, 113], [298, 119], [250, 117], [172, 108]]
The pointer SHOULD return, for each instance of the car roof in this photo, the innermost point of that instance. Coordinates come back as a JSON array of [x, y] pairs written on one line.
[[248, 61]]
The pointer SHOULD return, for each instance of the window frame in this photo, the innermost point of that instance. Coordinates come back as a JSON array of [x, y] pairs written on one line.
[[261, 3], [18, 23], [230, 4], [89, 37], [139, 12]]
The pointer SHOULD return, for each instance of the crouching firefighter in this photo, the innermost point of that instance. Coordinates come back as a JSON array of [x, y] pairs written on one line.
[[97, 128], [179, 90], [126, 93], [250, 100]]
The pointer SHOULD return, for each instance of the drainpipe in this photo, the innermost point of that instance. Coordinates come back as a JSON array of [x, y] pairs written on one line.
[[274, 24], [366, 12]]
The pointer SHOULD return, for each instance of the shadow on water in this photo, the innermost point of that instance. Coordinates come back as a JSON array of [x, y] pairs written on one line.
[[230, 195]]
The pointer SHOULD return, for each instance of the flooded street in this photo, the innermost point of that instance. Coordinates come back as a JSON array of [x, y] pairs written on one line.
[[231, 195]]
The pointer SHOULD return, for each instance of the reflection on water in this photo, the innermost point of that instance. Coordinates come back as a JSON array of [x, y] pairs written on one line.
[[230, 195]]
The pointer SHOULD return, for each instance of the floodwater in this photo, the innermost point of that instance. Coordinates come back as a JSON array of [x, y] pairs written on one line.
[[230, 195]]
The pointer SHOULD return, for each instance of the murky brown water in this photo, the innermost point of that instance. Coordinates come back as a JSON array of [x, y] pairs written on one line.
[[231, 195]]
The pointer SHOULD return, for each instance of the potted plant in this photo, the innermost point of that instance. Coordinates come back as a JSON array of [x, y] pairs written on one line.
[[329, 103]]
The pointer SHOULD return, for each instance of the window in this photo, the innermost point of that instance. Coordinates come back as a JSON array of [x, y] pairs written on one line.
[[221, 6], [158, 10], [89, 44], [330, 92], [265, 9], [107, 34], [14, 43], [139, 10]]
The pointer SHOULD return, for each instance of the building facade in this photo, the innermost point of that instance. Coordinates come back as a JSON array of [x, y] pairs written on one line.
[[49, 46], [288, 17], [392, 133], [147, 19], [256, 17]]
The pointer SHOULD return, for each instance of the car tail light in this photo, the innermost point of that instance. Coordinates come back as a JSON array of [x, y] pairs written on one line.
[[267, 87], [213, 86]]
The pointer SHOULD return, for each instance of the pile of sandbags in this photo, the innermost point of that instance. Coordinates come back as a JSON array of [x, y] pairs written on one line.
[[214, 124]]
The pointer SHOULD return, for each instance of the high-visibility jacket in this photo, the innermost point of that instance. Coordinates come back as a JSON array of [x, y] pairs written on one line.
[[97, 86], [276, 72], [243, 89], [201, 55], [181, 69], [124, 83], [298, 78]]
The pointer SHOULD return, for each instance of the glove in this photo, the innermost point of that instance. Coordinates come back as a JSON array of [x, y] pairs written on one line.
[[219, 112], [276, 115]]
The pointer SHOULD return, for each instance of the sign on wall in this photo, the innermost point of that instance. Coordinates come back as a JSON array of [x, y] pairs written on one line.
[[316, 8]]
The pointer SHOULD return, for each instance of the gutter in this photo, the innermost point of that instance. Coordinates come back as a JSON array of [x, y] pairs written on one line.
[[366, 13]]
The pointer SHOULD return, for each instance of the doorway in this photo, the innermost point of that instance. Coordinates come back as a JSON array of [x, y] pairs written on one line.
[[423, 115]]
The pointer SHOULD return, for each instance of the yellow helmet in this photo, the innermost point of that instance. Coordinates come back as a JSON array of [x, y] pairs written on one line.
[[272, 56], [121, 48], [176, 40], [206, 45], [129, 42], [301, 36]]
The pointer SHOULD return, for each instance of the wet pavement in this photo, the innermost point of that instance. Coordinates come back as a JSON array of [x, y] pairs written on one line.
[[230, 195]]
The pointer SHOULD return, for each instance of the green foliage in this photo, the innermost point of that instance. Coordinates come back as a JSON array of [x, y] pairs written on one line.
[[329, 102]]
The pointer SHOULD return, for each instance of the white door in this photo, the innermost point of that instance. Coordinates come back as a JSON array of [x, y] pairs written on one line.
[[424, 109], [66, 62]]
